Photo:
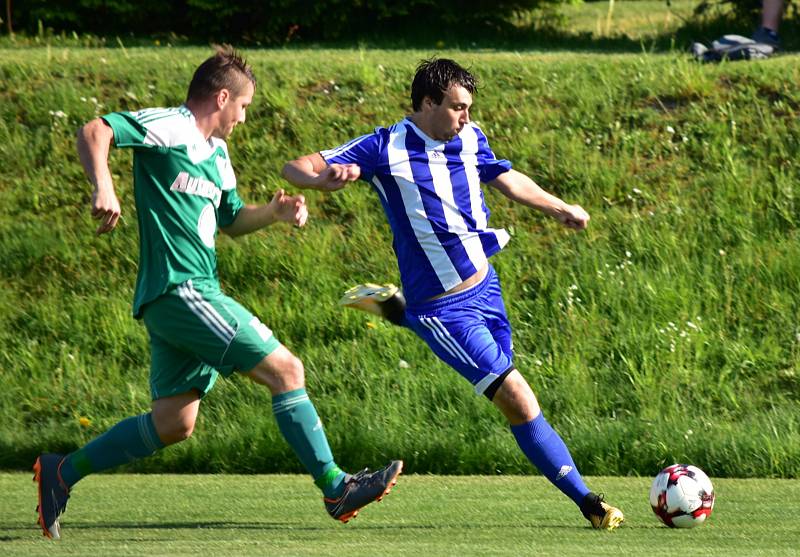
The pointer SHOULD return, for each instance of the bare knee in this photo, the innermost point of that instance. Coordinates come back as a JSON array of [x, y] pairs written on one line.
[[516, 400], [281, 371], [293, 373], [173, 429], [176, 432], [174, 417]]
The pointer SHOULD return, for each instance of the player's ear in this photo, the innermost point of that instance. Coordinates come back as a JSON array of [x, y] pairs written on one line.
[[222, 97]]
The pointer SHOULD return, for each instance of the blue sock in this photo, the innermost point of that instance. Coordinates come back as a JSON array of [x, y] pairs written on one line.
[[547, 451], [130, 439], [301, 427]]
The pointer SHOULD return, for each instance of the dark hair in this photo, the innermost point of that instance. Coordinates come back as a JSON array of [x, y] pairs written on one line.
[[435, 76], [225, 70]]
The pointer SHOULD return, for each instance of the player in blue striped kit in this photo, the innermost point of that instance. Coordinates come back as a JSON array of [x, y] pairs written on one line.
[[427, 170]]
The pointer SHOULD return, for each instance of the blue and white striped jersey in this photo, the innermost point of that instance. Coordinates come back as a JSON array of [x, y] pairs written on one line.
[[430, 191]]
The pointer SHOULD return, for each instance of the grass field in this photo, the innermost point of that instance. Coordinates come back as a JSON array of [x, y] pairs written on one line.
[[424, 516]]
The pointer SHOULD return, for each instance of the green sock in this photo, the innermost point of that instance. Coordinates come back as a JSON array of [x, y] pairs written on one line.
[[301, 427], [130, 439]]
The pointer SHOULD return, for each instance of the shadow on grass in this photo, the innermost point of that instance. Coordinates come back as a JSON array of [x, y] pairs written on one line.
[[518, 39], [491, 36]]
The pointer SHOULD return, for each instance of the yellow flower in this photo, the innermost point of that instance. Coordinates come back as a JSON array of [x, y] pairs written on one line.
[[84, 421], [370, 325]]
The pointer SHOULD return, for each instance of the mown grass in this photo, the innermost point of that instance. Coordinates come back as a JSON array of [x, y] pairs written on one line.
[[424, 515], [668, 331]]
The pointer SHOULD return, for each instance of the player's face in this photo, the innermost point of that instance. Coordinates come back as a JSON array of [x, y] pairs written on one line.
[[447, 119], [233, 111]]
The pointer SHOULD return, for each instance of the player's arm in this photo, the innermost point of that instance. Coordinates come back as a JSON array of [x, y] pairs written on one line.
[[312, 172], [94, 142], [520, 188], [282, 208]]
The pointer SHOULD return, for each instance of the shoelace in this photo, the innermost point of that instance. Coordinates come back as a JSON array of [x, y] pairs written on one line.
[[595, 505], [598, 503], [365, 478]]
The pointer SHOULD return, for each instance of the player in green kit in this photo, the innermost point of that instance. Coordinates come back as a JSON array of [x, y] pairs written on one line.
[[185, 190]]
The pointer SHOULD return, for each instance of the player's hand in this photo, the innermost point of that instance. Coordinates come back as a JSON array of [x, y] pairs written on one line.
[[289, 208], [336, 176], [573, 216], [105, 208]]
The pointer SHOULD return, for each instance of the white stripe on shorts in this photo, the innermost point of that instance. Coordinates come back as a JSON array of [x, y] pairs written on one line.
[[424, 321], [446, 340], [206, 312]]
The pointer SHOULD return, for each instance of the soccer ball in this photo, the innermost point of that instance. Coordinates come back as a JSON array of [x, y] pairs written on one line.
[[682, 496]]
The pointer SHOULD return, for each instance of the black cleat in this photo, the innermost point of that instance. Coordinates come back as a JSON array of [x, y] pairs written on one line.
[[362, 489], [602, 515], [53, 493]]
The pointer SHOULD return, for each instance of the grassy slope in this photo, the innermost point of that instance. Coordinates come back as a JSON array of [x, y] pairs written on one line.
[[665, 332]]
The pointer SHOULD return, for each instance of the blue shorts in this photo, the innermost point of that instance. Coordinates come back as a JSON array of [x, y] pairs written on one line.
[[469, 330]]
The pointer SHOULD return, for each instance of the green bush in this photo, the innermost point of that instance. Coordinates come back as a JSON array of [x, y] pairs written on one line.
[[270, 21]]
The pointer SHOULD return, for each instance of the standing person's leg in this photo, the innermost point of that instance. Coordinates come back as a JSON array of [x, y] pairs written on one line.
[[771, 15]]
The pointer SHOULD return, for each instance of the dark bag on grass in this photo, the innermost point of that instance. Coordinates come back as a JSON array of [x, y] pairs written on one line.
[[732, 47]]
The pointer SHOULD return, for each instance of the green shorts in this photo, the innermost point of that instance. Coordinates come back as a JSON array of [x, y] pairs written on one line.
[[197, 332]]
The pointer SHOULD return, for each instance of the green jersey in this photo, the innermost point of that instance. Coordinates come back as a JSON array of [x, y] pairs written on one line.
[[184, 187]]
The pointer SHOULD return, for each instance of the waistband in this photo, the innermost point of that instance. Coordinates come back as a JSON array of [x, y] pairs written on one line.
[[456, 298]]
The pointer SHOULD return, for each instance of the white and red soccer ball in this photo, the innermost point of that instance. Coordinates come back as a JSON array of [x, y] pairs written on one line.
[[682, 496]]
